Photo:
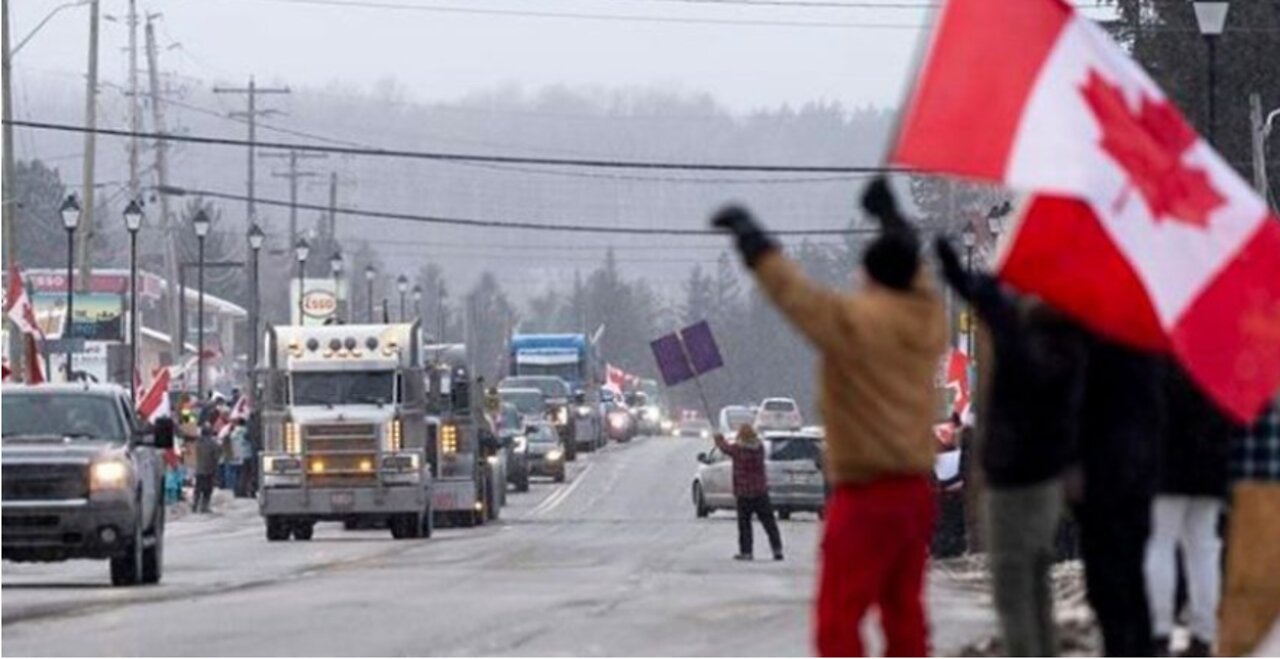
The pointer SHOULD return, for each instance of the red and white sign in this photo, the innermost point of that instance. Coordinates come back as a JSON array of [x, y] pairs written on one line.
[[319, 304], [1139, 228]]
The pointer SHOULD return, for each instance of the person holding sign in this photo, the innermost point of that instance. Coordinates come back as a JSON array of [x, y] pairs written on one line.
[[751, 490], [879, 348]]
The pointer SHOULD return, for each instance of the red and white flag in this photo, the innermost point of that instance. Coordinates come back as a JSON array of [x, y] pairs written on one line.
[[154, 404], [18, 305], [958, 379], [1138, 227], [615, 378], [241, 409]]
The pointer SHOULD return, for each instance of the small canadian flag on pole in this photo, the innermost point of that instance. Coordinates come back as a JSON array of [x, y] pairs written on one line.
[[1136, 226]]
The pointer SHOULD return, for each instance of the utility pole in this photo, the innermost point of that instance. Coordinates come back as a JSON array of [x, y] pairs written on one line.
[[90, 151], [293, 174], [135, 115], [251, 116], [1258, 133], [168, 228], [17, 346]]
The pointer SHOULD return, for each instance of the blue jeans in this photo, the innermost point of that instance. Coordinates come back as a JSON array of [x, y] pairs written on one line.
[[230, 476]]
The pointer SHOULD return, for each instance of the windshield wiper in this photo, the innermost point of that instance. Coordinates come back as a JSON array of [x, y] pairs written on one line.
[[375, 400]]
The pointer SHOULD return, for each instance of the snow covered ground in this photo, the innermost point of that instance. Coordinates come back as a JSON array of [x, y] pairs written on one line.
[[613, 562]]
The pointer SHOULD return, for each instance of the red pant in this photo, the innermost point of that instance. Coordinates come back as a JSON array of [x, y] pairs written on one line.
[[874, 550]]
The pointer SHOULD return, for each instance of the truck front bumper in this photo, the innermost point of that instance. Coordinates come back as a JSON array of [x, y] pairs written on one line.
[[338, 504], [74, 528]]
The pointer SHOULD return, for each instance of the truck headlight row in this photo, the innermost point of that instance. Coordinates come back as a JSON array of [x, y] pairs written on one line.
[[292, 441], [448, 439], [394, 431]]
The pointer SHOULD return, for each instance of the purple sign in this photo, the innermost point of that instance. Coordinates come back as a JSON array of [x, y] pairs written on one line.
[[701, 347], [671, 360], [690, 353]]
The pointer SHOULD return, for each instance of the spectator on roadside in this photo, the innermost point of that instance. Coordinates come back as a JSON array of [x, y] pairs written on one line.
[[1122, 421], [207, 453], [1030, 436], [242, 451], [880, 348], [1192, 490], [751, 490]]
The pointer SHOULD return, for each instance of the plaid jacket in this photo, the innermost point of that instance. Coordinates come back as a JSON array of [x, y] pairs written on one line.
[[749, 479], [1255, 453]]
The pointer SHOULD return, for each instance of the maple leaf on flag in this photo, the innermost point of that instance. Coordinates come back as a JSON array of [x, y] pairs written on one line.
[[1150, 145]]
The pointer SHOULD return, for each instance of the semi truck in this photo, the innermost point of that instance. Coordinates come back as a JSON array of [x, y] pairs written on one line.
[[344, 427], [467, 457]]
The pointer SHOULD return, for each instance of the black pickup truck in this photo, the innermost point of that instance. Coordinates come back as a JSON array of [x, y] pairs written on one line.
[[83, 478]]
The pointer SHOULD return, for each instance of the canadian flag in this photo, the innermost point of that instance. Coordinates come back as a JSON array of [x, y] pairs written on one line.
[[154, 403], [957, 373], [18, 305], [1138, 227], [615, 378]]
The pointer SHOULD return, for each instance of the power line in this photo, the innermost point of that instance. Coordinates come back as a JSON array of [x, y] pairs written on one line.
[[468, 157], [501, 224]]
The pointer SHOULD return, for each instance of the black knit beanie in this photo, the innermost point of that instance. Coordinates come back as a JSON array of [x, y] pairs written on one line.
[[892, 259]]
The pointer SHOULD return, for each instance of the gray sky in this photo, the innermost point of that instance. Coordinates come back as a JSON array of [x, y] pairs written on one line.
[[439, 55]]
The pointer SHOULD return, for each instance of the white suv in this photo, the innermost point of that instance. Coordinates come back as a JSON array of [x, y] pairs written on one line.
[[778, 414]]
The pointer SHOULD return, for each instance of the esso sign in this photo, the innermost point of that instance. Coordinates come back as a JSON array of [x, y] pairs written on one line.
[[319, 304]]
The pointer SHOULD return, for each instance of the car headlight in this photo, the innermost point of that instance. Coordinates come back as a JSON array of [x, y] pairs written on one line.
[[554, 454], [706, 434], [583, 410], [109, 475], [651, 414]]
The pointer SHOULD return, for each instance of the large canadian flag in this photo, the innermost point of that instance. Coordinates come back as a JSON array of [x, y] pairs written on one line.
[[154, 403], [1136, 226]]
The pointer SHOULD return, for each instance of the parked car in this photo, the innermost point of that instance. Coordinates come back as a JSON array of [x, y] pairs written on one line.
[[83, 478], [795, 478], [778, 414], [544, 451], [733, 416]]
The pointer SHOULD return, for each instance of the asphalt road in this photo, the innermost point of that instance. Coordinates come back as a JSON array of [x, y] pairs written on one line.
[[612, 562]]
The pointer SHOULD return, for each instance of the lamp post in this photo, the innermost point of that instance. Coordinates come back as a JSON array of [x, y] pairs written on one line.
[[256, 239], [301, 250], [70, 220], [133, 222], [369, 273], [417, 301], [1211, 18], [402, 286], [201, 224], [335, 266], [970, 241], [440, 309]]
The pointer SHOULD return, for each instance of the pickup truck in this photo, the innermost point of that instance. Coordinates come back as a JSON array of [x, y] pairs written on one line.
[[83, 478]]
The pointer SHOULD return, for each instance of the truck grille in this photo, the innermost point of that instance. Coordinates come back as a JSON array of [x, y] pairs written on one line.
[[45, 482], [341, 447]]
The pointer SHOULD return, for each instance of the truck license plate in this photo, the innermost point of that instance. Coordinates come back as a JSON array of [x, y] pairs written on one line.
[[342, 500]]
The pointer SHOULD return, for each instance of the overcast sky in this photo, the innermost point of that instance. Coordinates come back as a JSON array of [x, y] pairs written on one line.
[[750, 57]]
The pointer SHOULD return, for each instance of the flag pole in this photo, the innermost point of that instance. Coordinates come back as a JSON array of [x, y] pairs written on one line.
[[697, 380]]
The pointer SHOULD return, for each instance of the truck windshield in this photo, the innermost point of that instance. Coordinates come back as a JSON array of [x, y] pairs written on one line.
[[565, 371], [551, 387], [74, 416], [344, 388]]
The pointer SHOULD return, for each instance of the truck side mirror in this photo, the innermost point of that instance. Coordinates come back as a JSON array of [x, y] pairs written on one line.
[[162, 433]]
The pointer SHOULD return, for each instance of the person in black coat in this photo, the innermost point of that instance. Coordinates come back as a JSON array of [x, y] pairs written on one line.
[[1192, 488], [1030, 435], [1121, 425]]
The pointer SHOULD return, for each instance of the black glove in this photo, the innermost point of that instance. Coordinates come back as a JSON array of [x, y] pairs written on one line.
[[878, 200], [753, 243], [952, 271]]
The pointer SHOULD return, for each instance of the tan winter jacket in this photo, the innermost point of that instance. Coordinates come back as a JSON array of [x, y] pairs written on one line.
[[880, 354]]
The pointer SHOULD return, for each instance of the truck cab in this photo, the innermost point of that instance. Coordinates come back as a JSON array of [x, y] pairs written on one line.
[[344, 430], [464, 448]]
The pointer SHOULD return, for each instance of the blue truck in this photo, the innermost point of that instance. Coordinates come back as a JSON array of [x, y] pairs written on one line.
[[573, 359]]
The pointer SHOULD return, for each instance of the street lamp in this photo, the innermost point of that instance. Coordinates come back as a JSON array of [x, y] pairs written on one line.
[[300, 250], [201, 224], [335, 266], [256, 239], [1211, 18], [417, 301], [369, 274], [70, 220], [970, 238], [402, 286], [440, 310], [133, 222]]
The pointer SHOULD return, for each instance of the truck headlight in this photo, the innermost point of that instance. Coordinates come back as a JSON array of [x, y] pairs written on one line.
[[584, 410], [292, 444], [394, 434], [651, 414], [109, 475], [449, 439]]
